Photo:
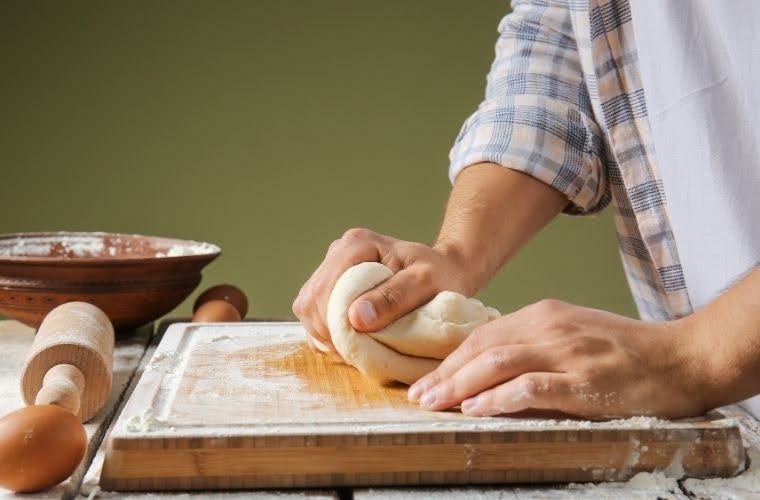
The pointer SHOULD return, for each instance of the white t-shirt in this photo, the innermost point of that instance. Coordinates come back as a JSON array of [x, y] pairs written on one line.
[[700, 67]]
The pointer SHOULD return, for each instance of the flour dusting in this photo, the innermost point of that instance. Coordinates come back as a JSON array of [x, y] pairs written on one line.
[[142, 422], [187, 249], [745, 485], [158, 360], [43, 246], [98, 244], [220, 338]]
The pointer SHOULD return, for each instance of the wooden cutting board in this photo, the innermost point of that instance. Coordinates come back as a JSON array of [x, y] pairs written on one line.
[[249, 405]]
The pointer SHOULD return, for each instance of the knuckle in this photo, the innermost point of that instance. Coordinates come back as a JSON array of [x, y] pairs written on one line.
[[546, 307], [334, 245], [472, 345], [424, 273], [357, 233], [497, 359], [320, 334], [299, 306], [394, 263], [433, 378], [487, 400], [530, 387], [445, 391]]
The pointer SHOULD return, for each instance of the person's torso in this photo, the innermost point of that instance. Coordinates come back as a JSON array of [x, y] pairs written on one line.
[[700, 69]]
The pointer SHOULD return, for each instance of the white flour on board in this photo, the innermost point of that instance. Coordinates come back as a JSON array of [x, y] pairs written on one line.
[[142, 422], [206, 389]]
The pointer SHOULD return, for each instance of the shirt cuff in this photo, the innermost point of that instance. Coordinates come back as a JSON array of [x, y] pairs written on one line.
[[547, 139]]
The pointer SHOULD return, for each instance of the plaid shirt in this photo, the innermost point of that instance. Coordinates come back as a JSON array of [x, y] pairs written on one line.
[[564, 103]]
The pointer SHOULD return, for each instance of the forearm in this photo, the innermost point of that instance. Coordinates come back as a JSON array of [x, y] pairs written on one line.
[[492, 212], [726, 338]]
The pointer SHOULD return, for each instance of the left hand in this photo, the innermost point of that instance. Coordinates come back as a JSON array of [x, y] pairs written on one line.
[[583, 362]]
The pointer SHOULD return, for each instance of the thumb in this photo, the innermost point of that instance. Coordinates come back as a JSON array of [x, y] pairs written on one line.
[[401, 293]]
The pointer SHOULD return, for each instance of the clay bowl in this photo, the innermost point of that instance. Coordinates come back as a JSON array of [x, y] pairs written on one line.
[[134, 279]]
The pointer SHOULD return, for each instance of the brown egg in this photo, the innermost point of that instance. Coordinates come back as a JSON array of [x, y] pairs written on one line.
[[40, 446], [228, 293], [216, 311]]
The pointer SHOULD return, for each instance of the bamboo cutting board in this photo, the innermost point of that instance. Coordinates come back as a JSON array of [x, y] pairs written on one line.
[[249, 405]]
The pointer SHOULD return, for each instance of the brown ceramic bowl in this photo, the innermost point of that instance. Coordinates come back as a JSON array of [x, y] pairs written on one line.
[[134, 279]]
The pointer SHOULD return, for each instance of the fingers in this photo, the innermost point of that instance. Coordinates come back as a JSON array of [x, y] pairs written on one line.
[[310, 306], [501, 332], [305, 309], [531, 391], [403, 292], [492, 367]]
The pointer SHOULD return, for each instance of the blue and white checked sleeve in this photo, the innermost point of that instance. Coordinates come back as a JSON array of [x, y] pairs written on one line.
[[537, 116]]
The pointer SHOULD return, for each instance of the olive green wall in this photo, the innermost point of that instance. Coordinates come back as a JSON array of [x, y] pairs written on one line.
[[268, 127]]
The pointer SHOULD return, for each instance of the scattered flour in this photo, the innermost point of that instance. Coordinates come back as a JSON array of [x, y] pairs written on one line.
[[94, 493], [642, 485], [157, 361], [183, 250], [58, 245], [675, 467], [220, 338], [83, 247], [143, 422], [72, 245], [745, 485], [628, 423], [147, 422], [653, 481], [26, 248]]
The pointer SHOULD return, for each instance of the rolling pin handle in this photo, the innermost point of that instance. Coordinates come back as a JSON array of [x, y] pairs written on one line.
[[62, 386]]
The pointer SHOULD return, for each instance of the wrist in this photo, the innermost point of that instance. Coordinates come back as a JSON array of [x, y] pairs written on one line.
[[708, 376], [465, 268]]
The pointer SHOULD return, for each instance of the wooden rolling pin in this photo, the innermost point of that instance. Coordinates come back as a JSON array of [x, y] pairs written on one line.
[[66, 379]]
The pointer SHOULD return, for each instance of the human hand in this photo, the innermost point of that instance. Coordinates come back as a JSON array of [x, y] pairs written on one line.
[[560, 357], [420, 272]]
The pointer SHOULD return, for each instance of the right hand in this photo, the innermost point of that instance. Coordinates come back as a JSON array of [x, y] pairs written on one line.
[[420, 272]]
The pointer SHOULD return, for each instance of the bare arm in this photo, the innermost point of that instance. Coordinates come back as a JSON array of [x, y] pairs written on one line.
[[491, 213], [557, 356], [725, 339]]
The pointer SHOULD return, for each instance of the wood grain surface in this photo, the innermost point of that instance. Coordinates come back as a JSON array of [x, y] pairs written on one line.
[[15, 342], [249, 405]]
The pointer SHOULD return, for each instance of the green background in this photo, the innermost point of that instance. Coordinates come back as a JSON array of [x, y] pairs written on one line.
[[267, 127]]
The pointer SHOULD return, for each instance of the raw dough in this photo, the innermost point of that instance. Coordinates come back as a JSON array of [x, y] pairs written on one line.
[[413, 345]]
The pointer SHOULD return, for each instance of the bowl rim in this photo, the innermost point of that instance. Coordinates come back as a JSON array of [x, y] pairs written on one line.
[[214, 252]]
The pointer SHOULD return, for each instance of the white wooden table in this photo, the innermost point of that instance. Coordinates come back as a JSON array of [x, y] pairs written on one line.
[[132, 353]]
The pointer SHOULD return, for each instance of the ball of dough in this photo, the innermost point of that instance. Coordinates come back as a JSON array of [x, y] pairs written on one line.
[[413, 345]]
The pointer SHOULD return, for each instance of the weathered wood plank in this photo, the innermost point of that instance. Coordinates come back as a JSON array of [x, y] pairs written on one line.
[[15, 341], [666, 490], [745, 485]]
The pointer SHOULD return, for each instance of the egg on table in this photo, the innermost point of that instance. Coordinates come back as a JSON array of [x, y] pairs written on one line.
[[40, 446]]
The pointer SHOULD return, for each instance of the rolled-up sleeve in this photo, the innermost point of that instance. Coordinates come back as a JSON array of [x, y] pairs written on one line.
[[537, 116]]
